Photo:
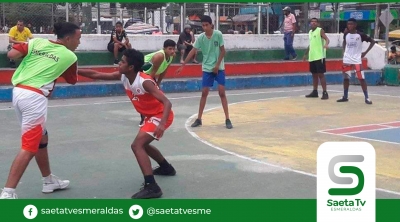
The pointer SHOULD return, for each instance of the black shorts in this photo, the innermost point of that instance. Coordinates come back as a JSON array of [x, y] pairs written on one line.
[[187, 48], [110, 47], [318, 66]]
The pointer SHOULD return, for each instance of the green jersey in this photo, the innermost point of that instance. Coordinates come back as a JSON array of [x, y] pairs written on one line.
[[210, 48], [43, 64], [317, 50], [164, 65]]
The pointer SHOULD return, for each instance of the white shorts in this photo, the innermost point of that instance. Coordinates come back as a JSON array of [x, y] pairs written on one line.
[[31, 109]]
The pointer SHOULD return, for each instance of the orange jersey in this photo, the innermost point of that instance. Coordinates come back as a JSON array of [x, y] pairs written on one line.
[[143, 102]]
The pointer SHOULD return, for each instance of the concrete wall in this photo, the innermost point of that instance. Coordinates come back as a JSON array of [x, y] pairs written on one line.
[[94, 42]]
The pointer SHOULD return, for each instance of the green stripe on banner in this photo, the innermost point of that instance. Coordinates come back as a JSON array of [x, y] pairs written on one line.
[[281, 210]]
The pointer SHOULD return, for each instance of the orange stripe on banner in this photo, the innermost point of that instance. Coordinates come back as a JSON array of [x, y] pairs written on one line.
[[31, 139]]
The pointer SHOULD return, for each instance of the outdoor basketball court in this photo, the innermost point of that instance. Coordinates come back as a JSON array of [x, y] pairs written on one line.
[[270, 152]]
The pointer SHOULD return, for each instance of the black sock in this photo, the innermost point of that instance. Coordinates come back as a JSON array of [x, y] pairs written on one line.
[[149, 179], [164, 164]]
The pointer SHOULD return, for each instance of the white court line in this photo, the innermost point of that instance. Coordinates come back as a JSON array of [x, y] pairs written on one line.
[[173, 98], [350, 136], [349, 127], [193, 134]]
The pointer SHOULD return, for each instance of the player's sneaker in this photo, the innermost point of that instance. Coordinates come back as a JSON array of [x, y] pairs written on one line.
[[170, 171], [342, 100], [53, 184], [313, 94], [368, 101], [148, 191], [7, 195], [197, 123], [325, 95], [228, 124]]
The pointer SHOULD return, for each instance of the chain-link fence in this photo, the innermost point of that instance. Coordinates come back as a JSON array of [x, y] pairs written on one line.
[[38, 17], [170, 18]]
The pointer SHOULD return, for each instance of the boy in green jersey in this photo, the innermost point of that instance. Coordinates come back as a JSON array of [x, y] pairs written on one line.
[[157, 63], [211, 43], [44, 61], [316, 53]]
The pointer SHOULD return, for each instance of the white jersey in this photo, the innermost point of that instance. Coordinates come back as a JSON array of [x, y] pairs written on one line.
[[353, 48]]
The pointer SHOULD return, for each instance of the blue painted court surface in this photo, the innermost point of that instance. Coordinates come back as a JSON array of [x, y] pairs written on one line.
[[391, 135]]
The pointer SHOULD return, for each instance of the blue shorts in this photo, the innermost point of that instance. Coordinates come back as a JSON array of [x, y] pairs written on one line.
[[209, 78]]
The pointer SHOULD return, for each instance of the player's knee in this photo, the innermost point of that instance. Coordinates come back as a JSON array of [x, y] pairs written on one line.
[[204, 93], [136, 147], [222, 93]]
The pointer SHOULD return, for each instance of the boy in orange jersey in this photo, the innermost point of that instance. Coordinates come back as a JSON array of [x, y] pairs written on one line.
[[149, 100]]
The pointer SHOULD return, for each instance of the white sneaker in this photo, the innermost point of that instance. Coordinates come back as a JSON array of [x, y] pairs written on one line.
[[55, 184], [7, 195]]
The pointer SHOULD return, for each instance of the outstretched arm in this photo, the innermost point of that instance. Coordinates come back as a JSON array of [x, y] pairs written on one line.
[[99, 75]]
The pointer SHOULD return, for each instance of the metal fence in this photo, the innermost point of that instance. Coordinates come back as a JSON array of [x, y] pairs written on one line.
[[263, 18]]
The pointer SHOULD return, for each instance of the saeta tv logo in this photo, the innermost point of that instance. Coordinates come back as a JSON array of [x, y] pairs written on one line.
[[346, 181]]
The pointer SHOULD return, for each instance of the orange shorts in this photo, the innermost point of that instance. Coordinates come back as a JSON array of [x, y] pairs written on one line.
[[151, 122], [356, 68]]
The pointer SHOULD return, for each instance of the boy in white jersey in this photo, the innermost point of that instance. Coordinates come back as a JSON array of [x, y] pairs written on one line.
[[352, 58], [44, 62]]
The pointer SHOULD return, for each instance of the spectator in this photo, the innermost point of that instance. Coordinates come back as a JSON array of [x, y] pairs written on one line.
[[185, 42], [18, 34], [394, 56], [29, 26], [115, 45], [5, 28], [158, 32], [289, 28]]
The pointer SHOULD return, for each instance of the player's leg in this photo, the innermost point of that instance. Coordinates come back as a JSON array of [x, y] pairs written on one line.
[[314, 72], [182, 48], [50, 181], [220, 78], [346, 69], [321, 68], [150, 189], [30, 114], [363, 83], [165, 168], [115, 51], [207, 82]]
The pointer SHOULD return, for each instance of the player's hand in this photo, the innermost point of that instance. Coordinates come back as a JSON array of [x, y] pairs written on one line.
[[326, 46], [363, 54], [215, 70], [159, 132], [304, 58], [178, 71]]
